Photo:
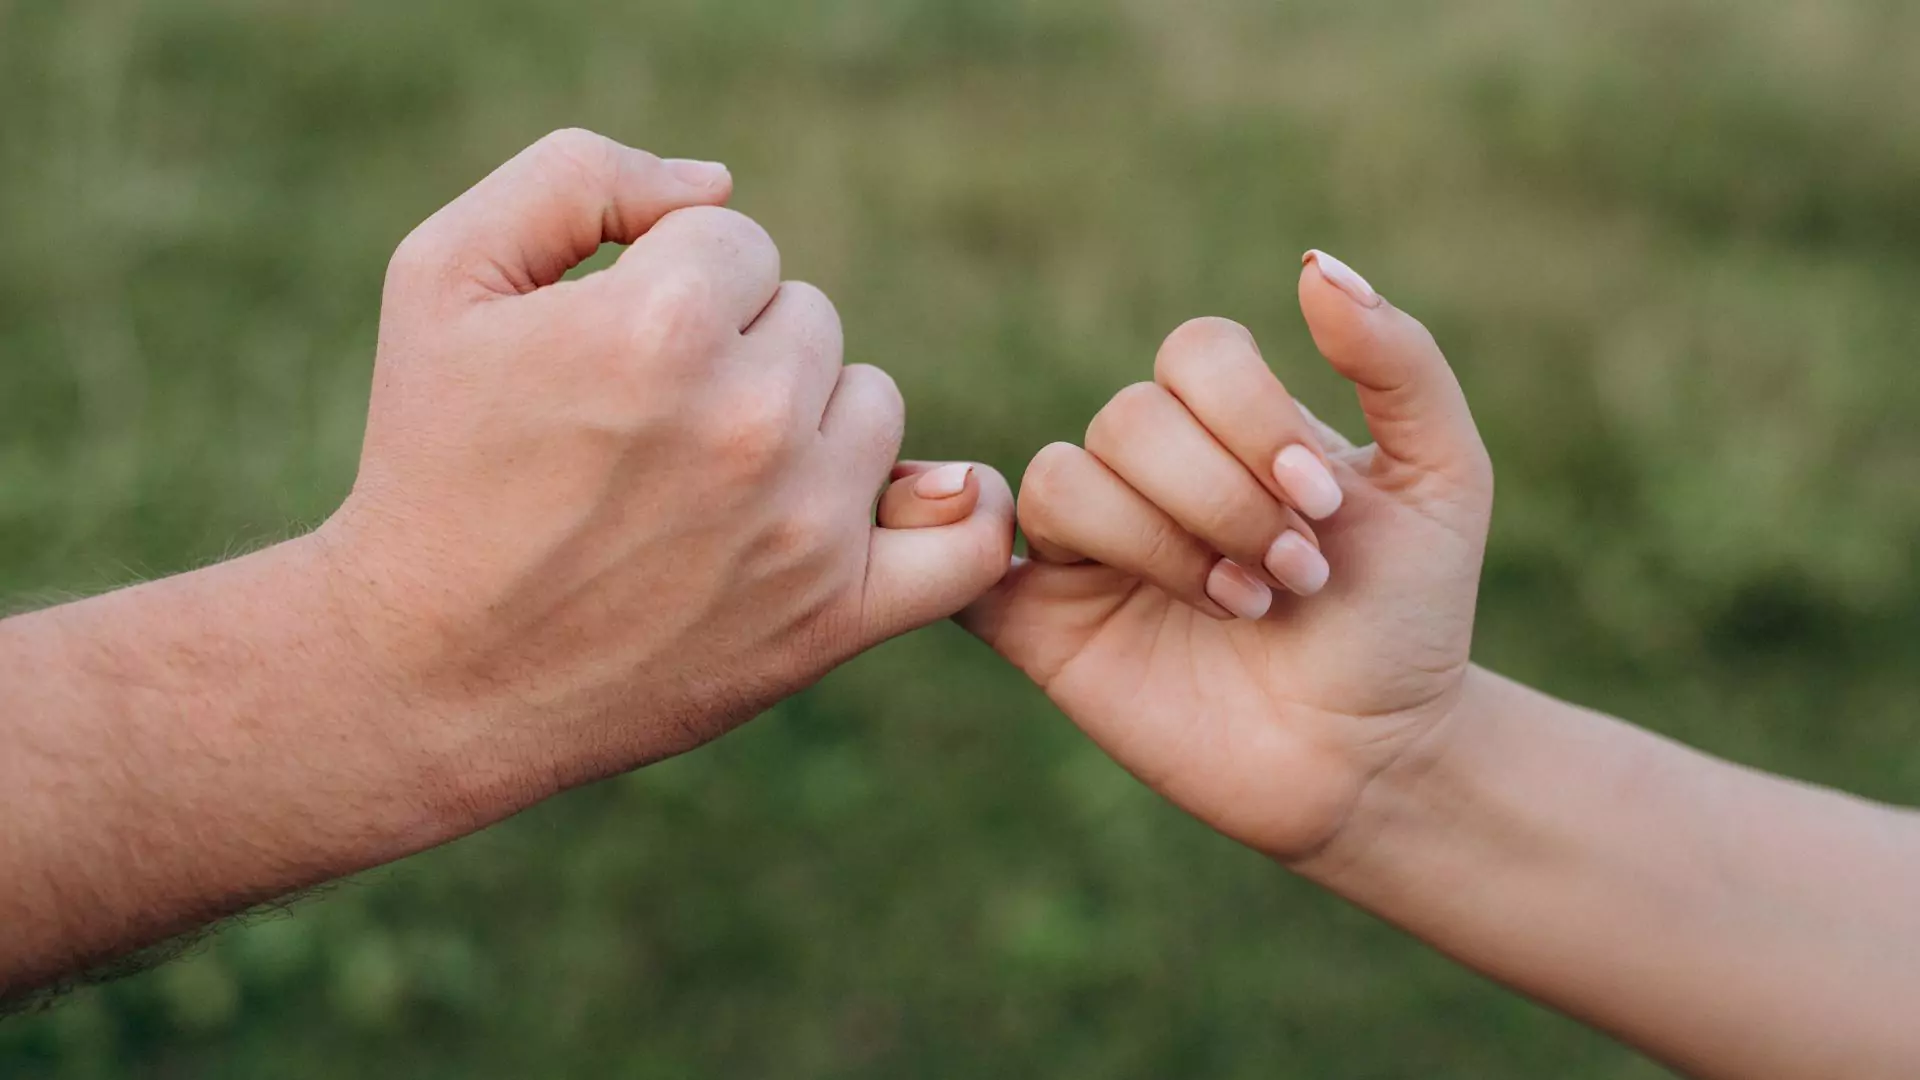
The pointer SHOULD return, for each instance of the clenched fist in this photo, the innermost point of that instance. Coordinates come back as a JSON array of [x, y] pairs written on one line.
[[597, 522], [601, 521]]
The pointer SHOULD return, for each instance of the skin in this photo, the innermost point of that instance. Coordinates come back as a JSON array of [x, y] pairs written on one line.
[[596, 523], [1729, 923], [600, 522]]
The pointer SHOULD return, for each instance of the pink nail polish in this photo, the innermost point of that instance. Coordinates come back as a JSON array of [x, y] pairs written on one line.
[[1296, 563], [1307, 482], [944, 482], [1239, 592], [1342, 277]]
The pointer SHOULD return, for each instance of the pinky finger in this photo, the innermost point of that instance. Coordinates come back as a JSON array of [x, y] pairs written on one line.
[[927, 495]]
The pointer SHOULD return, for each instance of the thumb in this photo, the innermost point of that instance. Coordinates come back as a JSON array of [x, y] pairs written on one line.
[[919, 575], [544, 212], [1413, 403]]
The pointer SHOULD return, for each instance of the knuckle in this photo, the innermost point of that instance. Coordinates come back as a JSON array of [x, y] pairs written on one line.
[[729, 228], [575, 154], [1124, 415], [1204, 333], [882, 412], [675, 315], [1224, 522], [878, 389], [417, 257], [806, 531], [1476, 469], [815, 326], [742, 228], [1191, 342], [675, 293], [1159, 549], [1422, 336], [1173, 558], [754, 433], [1047, 476], [817, 307], [810, 296], [1033, 517]]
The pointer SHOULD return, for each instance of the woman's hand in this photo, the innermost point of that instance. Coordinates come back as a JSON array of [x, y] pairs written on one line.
[[1729, 923], [1249, 613]]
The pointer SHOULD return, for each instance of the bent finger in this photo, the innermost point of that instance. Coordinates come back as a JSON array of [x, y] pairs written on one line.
[[550, 207], [916, 576], [1074, 508], [927, 495], [716, 263], [1215, 369], [1159, 449], [797, 341]]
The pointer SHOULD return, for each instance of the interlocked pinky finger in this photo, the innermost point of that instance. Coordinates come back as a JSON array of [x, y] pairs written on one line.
[[928, 494]]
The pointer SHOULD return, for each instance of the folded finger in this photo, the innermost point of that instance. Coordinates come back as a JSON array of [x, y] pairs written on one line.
[[918, 575], [1073, 508], [1158, 448], [927, 495], [553, 205], [860, 433], [703, 261], [1214, 368], [797, 341]]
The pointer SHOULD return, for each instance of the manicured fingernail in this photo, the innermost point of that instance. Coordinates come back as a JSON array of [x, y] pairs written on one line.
[[702, 174], [944, 482], [1238, 591], [1343, 277], [1307, 482], [1296, 563]]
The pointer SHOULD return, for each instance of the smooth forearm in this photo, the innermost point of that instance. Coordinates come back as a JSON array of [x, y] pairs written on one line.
[[1732, 923], [181, 750]]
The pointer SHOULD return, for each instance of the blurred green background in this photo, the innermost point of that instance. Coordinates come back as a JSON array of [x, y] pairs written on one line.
[[1673, 247]]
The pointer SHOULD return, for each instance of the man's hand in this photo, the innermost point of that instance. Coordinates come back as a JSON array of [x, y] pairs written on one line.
[[597, 522], [611, 518]]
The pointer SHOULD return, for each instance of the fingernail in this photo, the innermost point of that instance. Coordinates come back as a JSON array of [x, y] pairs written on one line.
[[703, 174], [944, 482], [1343, 277], [1305, 479], [1296, 563], [1238, 591]]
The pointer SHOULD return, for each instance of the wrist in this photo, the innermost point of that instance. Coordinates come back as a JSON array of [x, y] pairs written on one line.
[[368, 667], [1423, 784]]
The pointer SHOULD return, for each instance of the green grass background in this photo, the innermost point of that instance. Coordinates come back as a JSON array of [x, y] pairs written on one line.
[[1673, 247]]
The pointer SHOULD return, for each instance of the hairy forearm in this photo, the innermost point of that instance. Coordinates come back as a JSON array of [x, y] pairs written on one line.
[[1729, 922], [176, 752]]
